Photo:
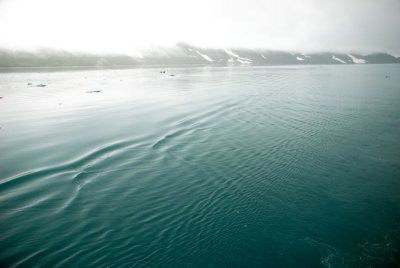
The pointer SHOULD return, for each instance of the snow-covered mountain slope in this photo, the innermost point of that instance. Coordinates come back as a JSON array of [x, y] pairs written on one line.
[[187, 54]]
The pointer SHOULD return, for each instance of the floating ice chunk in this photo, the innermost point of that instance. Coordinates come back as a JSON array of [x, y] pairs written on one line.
[[337, 59], [262, 55], [356, 60], [300, 59]]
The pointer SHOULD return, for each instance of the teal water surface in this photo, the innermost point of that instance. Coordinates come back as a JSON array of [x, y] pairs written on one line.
[[212, 167]]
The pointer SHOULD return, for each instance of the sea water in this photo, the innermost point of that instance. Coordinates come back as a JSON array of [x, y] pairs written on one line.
[[290, 166]]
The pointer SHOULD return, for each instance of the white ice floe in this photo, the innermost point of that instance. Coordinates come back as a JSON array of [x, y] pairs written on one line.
[[356, 60], [300, 59], [262, 55], [237, 57], [337, 59], [207, 58]]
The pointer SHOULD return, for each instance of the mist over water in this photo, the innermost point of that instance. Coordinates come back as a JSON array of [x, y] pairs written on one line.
[[212, 167]]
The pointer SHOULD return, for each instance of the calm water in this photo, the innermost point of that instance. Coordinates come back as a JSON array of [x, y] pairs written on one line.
[[212, 167]]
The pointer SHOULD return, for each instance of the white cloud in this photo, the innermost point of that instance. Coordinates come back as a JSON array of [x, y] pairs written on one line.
[[125, 26]]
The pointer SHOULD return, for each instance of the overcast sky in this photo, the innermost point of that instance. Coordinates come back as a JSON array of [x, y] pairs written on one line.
[[127, 25]]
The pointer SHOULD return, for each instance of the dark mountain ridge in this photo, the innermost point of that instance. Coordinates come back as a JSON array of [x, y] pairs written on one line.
[[184, 54]]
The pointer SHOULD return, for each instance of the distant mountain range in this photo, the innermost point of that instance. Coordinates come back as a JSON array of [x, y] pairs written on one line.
[[185, 54]]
